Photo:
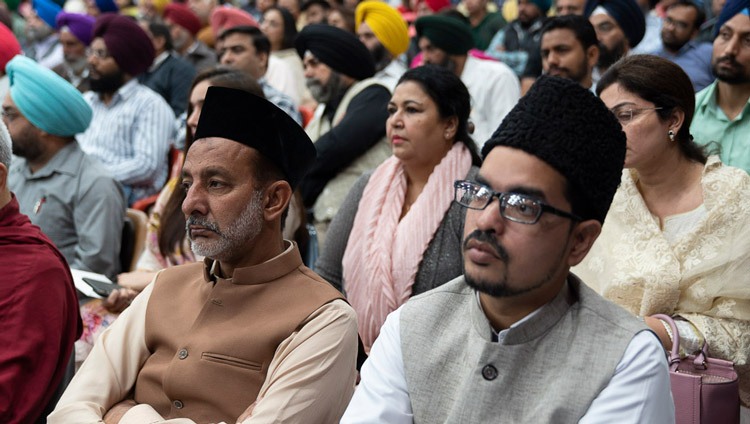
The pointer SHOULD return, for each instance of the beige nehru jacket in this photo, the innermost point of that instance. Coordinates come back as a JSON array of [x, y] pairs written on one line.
[[182, 376]]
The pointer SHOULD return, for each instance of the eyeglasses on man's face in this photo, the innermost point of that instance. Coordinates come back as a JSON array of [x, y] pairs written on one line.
[[515, 207], [625, 114], [100, 54], [9, 115]]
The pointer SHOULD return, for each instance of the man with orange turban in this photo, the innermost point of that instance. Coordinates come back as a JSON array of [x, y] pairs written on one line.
[[385, 34]]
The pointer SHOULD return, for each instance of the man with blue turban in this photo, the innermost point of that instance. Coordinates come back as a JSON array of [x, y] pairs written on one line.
[[722, 110], [74, 200], [43, 44]]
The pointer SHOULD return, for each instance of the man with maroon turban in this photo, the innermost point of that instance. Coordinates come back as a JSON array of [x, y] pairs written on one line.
[[132, 126]]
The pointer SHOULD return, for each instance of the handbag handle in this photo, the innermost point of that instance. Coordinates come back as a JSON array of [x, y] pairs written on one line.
[[674, 354]]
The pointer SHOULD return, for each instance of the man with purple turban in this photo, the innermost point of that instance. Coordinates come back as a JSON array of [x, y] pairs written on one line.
[[74, 30], [132, 126]]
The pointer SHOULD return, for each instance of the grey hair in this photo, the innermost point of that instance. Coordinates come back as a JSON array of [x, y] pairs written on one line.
[[5, 145]]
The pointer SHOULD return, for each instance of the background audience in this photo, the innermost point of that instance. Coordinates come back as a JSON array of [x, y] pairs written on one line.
[[333, 65]]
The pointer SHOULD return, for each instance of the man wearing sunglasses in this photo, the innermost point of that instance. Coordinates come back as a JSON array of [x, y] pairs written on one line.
[[518, 338]]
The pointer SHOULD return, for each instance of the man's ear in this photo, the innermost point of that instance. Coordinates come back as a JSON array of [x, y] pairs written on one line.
[[592, 55], [583, 236], [276, 199]]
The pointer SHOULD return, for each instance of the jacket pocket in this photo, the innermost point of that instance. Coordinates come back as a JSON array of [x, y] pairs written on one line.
[[231, 361]]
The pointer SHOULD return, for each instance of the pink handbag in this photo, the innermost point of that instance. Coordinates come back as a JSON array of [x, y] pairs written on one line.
[[705, 390]]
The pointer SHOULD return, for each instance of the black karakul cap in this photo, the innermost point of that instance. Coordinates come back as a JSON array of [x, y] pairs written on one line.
[[340, 50], [255, 122], [569, 128]]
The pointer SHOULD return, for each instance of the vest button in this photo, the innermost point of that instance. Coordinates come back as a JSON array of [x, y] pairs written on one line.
[[182, 354], [489, 372], [178, 404]]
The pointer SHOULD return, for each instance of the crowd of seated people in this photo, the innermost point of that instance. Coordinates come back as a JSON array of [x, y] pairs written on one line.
[[360, 153]]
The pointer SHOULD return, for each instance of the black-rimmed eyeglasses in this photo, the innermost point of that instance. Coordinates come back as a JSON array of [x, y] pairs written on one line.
[[516, 207]]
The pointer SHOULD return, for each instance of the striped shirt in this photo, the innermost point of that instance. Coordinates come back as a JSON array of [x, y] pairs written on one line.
[[283, 101], [131, 137]]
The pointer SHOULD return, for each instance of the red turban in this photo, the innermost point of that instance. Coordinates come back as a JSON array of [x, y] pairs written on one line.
[[9, 46], [181, 15], [228, 17]]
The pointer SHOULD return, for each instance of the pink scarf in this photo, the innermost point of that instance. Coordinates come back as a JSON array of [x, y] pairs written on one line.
[[383, 255]]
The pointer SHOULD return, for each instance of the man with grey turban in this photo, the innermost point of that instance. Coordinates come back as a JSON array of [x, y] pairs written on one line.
[[74, 200]]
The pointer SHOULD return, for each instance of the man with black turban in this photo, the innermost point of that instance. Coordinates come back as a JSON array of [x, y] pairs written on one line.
[[132, 126], [507, 341], [249, 335], [348, 127], [64, 191], [445, 41], [620, 26]]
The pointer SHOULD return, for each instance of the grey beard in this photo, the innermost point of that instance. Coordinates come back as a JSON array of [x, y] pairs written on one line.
[[246, 227], [38, 34], [324, 93], [77, 66]]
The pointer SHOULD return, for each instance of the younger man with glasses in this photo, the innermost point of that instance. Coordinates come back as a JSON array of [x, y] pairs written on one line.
[[518, 338]]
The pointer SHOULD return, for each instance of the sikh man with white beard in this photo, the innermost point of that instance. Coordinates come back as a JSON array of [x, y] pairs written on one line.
[[75, 32], [248, 336]]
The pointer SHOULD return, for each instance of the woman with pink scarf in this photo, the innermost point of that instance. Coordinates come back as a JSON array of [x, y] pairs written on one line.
[[398, 233]]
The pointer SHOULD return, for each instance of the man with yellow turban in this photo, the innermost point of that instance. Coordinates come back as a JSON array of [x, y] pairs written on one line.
[[384, 32]]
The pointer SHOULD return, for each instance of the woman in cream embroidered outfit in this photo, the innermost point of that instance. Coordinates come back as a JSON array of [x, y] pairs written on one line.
[[677, 237], [398, 233]]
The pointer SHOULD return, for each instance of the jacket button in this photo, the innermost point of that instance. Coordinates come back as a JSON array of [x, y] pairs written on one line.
[[489, 372], [178, 404], [182, 354]]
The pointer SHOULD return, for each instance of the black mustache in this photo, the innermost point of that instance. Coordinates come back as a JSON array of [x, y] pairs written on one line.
[[729, 59], [486, 237]]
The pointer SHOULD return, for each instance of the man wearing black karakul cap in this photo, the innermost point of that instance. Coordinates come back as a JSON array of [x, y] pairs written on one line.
[[349, 125], [249, 335], [518, 338]]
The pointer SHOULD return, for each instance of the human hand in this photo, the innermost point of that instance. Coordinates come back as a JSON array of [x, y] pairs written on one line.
[[136, 280], [115, 413], [119, 299], [248, 412], [655, 324]]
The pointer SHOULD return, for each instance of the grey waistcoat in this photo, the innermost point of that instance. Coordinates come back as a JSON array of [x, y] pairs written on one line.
[[547, 370]]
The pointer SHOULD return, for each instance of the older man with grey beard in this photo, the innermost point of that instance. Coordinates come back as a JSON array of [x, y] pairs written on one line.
[[267, 339], [348, 126], [74, 30]]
